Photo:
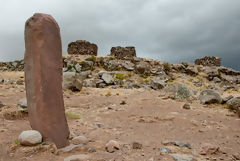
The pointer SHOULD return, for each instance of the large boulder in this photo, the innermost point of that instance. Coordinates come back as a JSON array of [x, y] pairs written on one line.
[[72, 81], [123, 52], [178, 91], [234, 103], [107, 78], [143, 67], [210, 96], [82, 47], [157, 83]]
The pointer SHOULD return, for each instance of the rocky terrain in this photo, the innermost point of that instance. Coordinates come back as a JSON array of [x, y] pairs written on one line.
[[126, 108]]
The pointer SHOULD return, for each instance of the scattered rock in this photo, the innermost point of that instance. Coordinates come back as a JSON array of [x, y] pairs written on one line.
[[128, 65], [178, 143], [80, 140], [1, 80], [1, 104], [165, 150], [107, 78], [80, 157], [143, 67], [136, 145], [216, 80], [22, 103], [209, 149], [186, 106], [123, 103], [234, 103], [225, 99], [112, 146], [236, 156], [178, 91], [20, 82], [72, 81], [157, 83], [70, 149], [30, 137], [209, 96], [182, 157]]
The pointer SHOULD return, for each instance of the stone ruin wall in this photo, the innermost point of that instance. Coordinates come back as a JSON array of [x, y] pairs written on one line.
[[209, 61], [82, 47], [123, 52]]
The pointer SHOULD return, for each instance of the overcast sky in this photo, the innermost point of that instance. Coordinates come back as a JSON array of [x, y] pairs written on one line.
[[169, 30]]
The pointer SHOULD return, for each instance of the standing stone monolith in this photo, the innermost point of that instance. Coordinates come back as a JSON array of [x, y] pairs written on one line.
[[43, 77]]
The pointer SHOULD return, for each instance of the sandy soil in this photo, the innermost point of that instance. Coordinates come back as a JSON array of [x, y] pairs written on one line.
[[127, 116]]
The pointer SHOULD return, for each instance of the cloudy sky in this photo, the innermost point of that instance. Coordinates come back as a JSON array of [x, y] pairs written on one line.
[[169, 30]]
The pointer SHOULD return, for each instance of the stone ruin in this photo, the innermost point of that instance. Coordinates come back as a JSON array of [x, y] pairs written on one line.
[[209, 61], [123, 52], [43, 79], [82, 47]]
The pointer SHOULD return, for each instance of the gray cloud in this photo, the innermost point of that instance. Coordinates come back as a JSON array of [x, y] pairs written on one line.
[[169, 30]]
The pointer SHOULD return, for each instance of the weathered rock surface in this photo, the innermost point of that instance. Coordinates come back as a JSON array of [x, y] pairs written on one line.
[[43, 77], [72, 81], [182, 157], [80, 157], [157, 83], [123, 52], [210, 96], [107, 78], [22, 103], [79, 140], [112, 146], [1, 104], [178, 91], [82, 47], [234, 103], [30, 137]]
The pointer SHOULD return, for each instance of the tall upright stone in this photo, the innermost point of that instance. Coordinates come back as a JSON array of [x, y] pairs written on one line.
[[43, 77]]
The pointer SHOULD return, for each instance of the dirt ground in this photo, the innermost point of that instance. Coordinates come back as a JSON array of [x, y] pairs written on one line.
[[127, 116]]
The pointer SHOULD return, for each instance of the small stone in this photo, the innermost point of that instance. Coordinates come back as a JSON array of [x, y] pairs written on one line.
[[112, 146], [123, 103], [80, 140], [80, 157], [30, 137], [1, 80], [1, 104], [108, 79], [209, 149], [165, 150], [216, 80], [177, 143], [20, 82], [136, 145], [22, 103], [182, 157], [186, 106], [236, 156]]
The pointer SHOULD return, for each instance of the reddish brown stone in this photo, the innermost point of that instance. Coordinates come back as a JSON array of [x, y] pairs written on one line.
[[43, 77]]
